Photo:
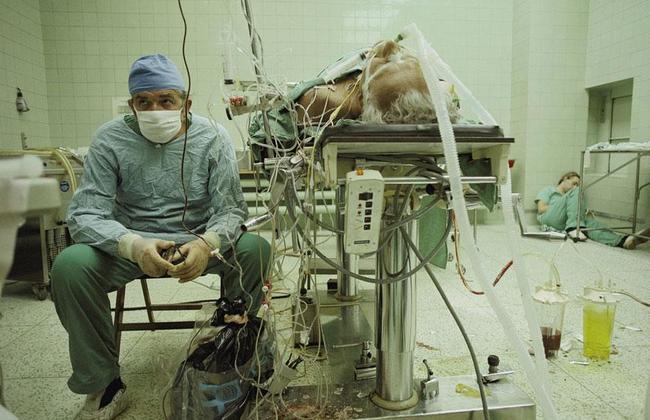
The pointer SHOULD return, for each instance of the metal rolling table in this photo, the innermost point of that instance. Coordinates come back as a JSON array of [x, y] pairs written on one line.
[[339, 149], [639, 154]]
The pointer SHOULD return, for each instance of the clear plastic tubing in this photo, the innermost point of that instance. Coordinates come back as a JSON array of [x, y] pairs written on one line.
[[342, 66], [524, 287], [536, 379], [446, 74]]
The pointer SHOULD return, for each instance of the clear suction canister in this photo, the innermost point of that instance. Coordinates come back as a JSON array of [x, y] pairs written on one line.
[[598, 313], [550, 305]]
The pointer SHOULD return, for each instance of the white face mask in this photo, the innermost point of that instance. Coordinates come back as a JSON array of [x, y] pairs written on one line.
[[159, 126]]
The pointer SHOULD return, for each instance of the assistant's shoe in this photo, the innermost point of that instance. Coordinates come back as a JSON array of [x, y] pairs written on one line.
[[573, 234], [633, 241], [107, 404]]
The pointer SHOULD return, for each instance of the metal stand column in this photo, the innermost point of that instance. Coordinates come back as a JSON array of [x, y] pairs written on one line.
[[347, 286], [395, 326]]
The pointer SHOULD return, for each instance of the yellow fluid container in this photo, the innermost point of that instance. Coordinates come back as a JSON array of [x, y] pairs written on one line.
[[598, 324]]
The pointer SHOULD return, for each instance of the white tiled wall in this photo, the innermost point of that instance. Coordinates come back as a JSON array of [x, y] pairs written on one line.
[[519, 103], [549, 105], [618, 48], [529, 62], [22, 65], [90, 44]]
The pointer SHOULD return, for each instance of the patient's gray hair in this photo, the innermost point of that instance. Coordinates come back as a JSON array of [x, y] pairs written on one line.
[[411, 107]]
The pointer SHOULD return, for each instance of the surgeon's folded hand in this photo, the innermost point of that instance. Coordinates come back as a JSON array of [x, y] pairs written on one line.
[[146, 253], [197, 255]]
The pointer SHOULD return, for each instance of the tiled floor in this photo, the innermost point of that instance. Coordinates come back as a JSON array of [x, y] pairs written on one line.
[[33, 345]]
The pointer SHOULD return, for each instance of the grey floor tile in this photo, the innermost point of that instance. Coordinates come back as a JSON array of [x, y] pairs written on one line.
[[621, 382], [21, 360], [145, 396], [155, 350], [19, 307], [573, 400], [43, 353], [35, 358], [9, 335], [42, 398]]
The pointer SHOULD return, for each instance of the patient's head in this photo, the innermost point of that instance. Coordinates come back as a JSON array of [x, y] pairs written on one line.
[[394, 90], [393, 87], [568, 181]]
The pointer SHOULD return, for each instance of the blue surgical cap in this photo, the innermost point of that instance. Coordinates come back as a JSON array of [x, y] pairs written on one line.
[[154, 72]]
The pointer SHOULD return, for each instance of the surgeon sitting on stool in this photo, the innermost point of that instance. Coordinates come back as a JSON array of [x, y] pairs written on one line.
[[557, 207], [128, 211]]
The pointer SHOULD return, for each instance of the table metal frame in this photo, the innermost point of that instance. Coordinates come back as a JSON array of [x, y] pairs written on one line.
[[637, 188]]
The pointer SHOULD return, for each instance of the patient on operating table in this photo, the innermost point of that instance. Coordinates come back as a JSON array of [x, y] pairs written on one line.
[[388, 88], [379, 85], [557, 209], [131, 207]]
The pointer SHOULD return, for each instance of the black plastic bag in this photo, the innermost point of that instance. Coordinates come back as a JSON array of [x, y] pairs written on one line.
[[216, 380]]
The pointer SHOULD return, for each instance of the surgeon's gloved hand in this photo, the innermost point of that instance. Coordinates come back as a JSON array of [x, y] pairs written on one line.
[[146, 253], [196, 256]]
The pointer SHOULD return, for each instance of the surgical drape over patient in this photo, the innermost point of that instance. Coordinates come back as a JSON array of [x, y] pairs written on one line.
[[131, 185]]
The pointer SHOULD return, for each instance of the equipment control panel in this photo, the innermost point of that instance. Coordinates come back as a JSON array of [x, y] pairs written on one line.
[[364, 204]]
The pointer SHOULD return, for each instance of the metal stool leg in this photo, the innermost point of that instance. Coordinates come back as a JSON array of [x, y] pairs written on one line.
[[119, 314], [147, 301]]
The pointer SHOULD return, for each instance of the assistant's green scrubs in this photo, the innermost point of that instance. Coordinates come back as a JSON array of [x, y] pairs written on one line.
[[562, 214]]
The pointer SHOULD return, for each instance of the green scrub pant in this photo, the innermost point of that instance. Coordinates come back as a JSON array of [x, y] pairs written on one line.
[[82, 277], [563, 215]]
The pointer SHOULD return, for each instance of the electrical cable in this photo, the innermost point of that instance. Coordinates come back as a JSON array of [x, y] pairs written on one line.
[[272, 314], [459, 267], [399, 209], [63, 159], [415, 215], [305, 261], [57, 153], [631, 296], [185, 207], [401, 221], [479, 376], [386, 229], [282, 152], [502, 272], [406, 160], [292, 216], [187, 127], [599, 283]]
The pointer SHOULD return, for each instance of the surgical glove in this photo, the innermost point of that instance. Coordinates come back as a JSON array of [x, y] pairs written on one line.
[[146, 253], [197, 254]]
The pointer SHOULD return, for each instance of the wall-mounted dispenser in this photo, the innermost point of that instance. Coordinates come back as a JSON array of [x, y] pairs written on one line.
[[21, 103]]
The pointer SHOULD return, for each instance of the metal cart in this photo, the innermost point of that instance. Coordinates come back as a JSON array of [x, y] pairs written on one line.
[[42, 238], [638, 155]]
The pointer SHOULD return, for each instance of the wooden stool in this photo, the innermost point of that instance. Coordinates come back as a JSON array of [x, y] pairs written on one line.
[[152, 325]]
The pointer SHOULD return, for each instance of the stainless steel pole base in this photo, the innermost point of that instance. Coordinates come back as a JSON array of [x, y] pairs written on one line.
[[345, 298], [394, 405], [395, 326], [394, 388]]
